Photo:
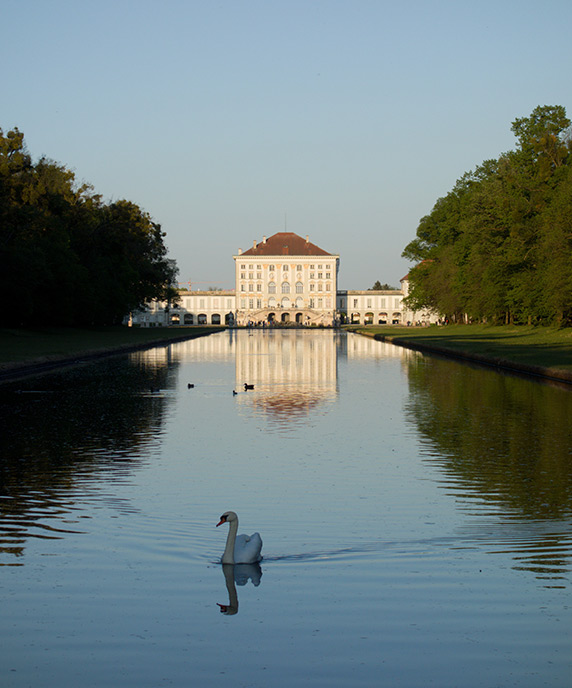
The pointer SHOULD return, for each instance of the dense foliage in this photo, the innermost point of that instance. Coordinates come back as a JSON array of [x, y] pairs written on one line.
[[498, 246], [66, 257]]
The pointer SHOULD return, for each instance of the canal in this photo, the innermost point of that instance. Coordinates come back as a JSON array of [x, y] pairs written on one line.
[[415, 512]]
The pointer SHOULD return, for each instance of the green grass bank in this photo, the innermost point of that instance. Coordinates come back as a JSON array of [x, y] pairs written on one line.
[[24, 350], [533, 350]]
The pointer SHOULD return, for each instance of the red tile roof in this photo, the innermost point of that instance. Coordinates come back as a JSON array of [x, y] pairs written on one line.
[[285, 244]]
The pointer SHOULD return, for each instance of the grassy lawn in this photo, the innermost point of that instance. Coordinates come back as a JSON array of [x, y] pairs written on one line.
[[22, 346], [522, 345]]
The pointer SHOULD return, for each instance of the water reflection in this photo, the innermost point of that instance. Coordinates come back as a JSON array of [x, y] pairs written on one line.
[[504, 447], [238, 574], [293, 372], [61, 433]]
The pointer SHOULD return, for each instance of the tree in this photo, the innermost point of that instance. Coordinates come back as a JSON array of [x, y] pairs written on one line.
[[541, 137], [485, 248], [378, 286], [66, 257]]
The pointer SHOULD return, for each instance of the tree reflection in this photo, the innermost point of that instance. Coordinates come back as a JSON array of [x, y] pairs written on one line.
[[64, 429], [506, 440]]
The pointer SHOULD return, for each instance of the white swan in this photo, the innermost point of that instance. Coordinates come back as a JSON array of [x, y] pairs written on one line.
[[241, 549]]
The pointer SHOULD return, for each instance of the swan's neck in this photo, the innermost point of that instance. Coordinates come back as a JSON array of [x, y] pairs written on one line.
[[228, 556]]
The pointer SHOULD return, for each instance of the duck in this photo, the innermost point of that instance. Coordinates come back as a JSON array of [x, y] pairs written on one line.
[[240, 549], [234, 392], [190, 385], [246, 386]]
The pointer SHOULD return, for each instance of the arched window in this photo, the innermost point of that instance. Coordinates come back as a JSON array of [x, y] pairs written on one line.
[[299, 288], [285, 287], [272, 287]]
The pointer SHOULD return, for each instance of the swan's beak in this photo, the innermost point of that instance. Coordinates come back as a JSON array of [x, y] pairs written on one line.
[[222, 520]]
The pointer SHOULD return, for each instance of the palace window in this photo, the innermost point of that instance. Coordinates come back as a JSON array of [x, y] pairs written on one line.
[[258, 287], [272, 287], [242, 287], [299, 288], [319, 275], [242, 275], [328, 275], [320, 287], [271, 268], [285, 287], [250, 275], [251, 303], [312, 286], [251, 287], [328, 287], [299, 268], [258, 275]]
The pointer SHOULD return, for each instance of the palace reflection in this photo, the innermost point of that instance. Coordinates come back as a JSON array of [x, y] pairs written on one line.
[[293, 371]]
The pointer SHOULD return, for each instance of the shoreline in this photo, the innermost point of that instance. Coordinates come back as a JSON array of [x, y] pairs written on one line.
[[545, 372], [15, 370]]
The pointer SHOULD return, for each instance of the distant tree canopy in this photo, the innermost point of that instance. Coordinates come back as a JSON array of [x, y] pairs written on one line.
[[498, 246], [66, 257], [378, 286]]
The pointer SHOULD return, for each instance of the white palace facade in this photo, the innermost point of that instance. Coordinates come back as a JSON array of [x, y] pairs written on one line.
[[284, 279]]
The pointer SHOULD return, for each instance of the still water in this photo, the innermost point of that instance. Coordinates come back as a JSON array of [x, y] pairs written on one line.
[[416, 515]]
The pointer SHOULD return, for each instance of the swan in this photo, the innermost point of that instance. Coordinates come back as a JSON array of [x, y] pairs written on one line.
[[241, 549]]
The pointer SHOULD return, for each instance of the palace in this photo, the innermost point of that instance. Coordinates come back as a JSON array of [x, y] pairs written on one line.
[[284, 279]]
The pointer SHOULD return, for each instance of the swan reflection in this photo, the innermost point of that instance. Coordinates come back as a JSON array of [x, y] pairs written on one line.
[[238, 574]]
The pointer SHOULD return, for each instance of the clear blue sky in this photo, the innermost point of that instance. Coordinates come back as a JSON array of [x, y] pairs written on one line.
[[228, 120]]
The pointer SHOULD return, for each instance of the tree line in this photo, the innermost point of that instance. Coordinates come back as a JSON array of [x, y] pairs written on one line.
[[498, 247], [66, 257]]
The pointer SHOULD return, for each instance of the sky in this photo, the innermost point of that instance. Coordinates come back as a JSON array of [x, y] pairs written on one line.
[[228, 120]]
